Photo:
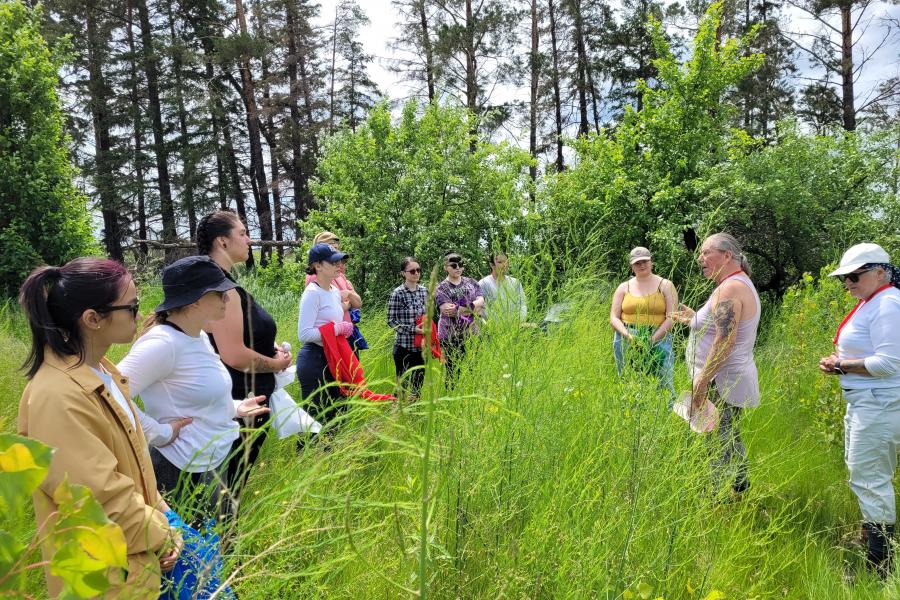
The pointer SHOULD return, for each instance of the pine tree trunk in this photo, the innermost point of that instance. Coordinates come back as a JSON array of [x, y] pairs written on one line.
[[532, 109], [847, 100], [273, 158], [581, 69], [257, 167], [471, 81], [235, 177], [299, 82], [100, 115], [216, 112], [151, 71], [557, 100], [189, 175], [333, 66], [293, 59], [137, 131], [426, 44]]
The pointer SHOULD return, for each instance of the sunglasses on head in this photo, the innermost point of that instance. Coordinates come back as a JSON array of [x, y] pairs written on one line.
[[413, 271], [134, 308], [456, 264], [854, 277]]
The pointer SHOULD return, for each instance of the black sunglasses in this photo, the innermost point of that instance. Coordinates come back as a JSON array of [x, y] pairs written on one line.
[[456, 265], [413, 271], [134, 308], [854, 277]]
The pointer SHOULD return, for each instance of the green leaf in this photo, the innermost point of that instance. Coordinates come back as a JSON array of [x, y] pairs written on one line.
[[23, 466], [644, 590], [71, 564]]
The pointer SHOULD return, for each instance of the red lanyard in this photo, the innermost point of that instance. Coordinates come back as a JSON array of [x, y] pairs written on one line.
[[731, 275], [856, 308]]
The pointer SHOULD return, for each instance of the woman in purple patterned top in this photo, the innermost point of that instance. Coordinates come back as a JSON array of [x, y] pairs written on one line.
[[461, 304]]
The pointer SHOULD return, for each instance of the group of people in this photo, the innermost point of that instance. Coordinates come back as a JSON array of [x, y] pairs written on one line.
[[204, 366], [719, 352], [719, 356]]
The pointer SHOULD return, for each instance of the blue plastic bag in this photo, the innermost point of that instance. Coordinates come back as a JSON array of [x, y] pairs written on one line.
[[198, 571]]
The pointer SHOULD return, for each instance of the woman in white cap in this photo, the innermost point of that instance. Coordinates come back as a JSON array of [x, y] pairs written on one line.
[[867, 360], [639, 318]]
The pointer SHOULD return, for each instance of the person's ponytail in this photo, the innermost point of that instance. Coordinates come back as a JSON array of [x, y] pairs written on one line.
[[54, 298], [33, 298], [745, 265]]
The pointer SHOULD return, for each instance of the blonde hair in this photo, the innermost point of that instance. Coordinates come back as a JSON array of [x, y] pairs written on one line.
[[325, 237]]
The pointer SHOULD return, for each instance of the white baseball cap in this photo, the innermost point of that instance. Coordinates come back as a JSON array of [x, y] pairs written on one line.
[[859, 255]]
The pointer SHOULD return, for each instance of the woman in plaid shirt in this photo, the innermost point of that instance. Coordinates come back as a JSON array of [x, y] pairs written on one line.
[[405, 306]]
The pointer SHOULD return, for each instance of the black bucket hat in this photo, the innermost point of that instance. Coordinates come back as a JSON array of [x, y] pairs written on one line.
[[187, 279]]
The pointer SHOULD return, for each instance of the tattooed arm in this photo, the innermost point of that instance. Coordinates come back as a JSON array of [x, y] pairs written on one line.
[[726, 312]]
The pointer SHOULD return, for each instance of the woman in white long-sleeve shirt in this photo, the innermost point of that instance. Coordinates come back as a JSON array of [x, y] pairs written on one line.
[[867, 360], [320, 304], [176, 372]]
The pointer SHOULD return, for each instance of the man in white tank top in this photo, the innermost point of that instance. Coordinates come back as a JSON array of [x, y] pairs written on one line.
[[720, 349]]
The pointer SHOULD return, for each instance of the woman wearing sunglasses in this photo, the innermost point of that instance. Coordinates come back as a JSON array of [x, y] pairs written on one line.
[[461, 303], [405, 306], [867, 361], [77, 402], [176, 372]]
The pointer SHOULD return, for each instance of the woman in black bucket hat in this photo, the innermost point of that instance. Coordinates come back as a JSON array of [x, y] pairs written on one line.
[[175, 370]]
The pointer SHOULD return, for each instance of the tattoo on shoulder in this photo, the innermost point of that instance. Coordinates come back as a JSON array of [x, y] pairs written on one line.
[[723, 315]]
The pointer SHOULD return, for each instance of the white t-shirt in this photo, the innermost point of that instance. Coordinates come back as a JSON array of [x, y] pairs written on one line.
[[177, 375], [115, 392], [317, 307], [873, 334], [504, 298]]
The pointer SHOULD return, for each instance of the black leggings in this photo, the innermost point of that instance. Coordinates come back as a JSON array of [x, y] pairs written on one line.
[[198, 496], [406, 359]]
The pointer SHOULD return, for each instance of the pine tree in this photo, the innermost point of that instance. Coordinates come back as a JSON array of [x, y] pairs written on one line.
[[475, 41], [415, 45], [833, 47], [356, 92]]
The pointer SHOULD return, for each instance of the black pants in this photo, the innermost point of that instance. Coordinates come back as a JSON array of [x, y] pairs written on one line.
[[198, 496], [406, 359], [313, 373], [244, 452]]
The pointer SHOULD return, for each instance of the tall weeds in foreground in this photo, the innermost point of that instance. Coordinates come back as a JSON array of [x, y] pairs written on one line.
[[540, 475]]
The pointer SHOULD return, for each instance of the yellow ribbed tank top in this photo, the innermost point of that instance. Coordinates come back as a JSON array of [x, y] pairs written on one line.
[[644, 310]]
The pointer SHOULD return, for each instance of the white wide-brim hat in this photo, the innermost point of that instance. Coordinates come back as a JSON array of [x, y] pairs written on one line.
[[859, 255]]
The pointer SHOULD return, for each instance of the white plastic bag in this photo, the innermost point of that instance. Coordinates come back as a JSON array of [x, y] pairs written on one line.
[[287, 417], [701, 420]]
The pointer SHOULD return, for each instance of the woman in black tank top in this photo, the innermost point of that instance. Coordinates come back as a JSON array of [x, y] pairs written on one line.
[[244, 339]]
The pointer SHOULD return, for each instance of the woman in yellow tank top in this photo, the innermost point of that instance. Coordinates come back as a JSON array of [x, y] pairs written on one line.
[[638, 317]]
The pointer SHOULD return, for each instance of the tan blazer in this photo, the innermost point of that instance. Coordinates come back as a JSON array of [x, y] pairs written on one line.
[[67, 407]]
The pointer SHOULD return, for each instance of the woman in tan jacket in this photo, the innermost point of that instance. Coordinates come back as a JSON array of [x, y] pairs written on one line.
[[78, 403]]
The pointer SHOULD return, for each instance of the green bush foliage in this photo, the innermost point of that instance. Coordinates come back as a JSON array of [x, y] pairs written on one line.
[[417, 188], [43, 217], [85, 542], [636, 185]]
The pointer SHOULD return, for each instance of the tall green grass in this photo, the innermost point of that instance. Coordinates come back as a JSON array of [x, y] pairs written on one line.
[[540, 475]]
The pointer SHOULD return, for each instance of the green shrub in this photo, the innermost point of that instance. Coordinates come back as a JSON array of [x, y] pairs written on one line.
[[43, 217]]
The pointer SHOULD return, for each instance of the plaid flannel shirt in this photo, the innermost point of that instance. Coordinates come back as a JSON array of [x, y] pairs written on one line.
[[404, 307]]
